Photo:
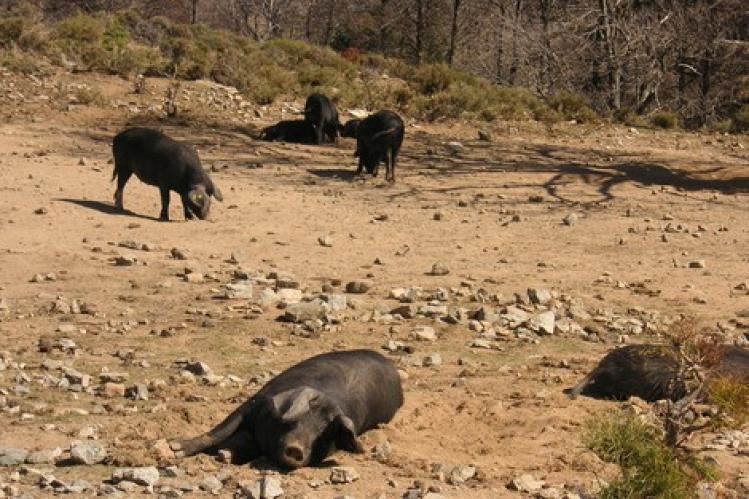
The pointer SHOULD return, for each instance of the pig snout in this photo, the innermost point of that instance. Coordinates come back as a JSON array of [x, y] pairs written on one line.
[[293, 456]]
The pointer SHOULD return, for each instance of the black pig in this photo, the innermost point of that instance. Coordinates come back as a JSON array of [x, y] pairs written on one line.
[[171, 166], [298, 131], [321, 113], [379, 138], [308, 411]]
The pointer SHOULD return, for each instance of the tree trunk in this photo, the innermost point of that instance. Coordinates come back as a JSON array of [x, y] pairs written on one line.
[[706, 85], [453, 32], [500, 44], [382, 15], [194, 17], [613, 67], [515, 64], [419, 29], [544, 83]]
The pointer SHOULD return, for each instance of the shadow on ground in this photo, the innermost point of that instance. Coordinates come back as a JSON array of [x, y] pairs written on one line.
[[105, 208]]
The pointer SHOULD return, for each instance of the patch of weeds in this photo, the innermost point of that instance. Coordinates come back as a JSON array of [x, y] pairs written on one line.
[[740, 120], [573, 106], [22, 62], [648, 467], [732, 400], [626, 116], [665, 119], [80, 94], [11, 29]]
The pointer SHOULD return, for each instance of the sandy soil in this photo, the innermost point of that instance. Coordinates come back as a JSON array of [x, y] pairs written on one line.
[[646, 204]]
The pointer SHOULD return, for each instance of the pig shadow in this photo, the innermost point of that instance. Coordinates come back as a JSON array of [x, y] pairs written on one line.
[[335, 173], [105, 208]]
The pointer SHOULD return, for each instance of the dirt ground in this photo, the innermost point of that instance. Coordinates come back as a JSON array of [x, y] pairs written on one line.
[[641, 205]]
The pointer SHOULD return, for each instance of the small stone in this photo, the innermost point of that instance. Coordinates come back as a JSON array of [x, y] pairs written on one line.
[[461, 474], [343, 474], [289, 295], [211, 484], [358, 287], [424, 333], [438, 216], [179, 254], [113, 390], [87, 453], [570, 219], [82, 162], [484, 136], [526, 483], [268, 487], [162, 450], [198, 368], [543, 323], [439, 269], [697, 264], [40, 211], [325, 241], [241, 290], [194, 278], [306, 311], [432, 360], [124, 261], [540, 296], [47, 456], [147, 476], [137, 392]]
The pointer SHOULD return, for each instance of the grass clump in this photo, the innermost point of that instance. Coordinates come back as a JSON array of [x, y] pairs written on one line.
[[648, 467], [665, 119], [731, 397], [573, 106], [740, 120], [11, 29]]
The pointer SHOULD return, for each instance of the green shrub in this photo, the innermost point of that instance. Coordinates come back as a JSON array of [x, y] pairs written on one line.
[[732, 399], [648, 467], [573, 106], [433, 78], [740, 120], [79, 28], [10, 30], [34, 39], [21, 62], [665, 119]]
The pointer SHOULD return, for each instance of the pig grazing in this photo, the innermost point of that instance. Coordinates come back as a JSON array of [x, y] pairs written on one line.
[[158, 160], [313, 408], [652, 372], [321, 113], [379, 138], [349, 128], [298, 131]]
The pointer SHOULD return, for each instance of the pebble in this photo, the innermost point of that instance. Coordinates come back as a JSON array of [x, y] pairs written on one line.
[[343, 474], [88, 453], [147, 475], [697, 264], [306, 311], [211, 484], [124, 261], [432, 360], [439, 269], [40, 211], [526, 483], [424, 333], [543, 323], [46, 456], [540, 296], [10, 456], [325, 241], [268, 487], [179, 254], [358, 287], [570, 219]]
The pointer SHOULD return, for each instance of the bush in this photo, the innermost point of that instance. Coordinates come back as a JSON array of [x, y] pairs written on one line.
[[665, 119], [648, 468], [732, 399], [21, 62], [79, 28], [740, 120], [10, 30], [627, 116], [573, 107]]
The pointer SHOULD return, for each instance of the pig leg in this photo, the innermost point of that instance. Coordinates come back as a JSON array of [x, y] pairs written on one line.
[[213, 438], [360, 170], [164, 216], [393, 156], [122, 177], [186, 207]]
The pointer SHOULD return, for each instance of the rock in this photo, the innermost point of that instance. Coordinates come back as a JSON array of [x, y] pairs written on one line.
[[194, 278], [526, 483], [125, 261], [337, 302], [358, 287], [10, 456], [432, 360], [47, 456], [697, 264], [198, 368], [306, 311], [211, 484], [289, 295], [113, 390], [77, 378], [424, 333], [461, 474], [40, 211], [267, 298], [268, 487], [439, 269], [137, 392], [540, 296], [343, 474], [88, 453], [383, 451], [162, 450], [543, 323], [147, 476], [179, 254], [325, 241], [241, 290], [484, 136], [570, 219]]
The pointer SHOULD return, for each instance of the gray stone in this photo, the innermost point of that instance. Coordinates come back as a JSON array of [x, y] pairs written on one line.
[[146, 475], [697, 264], [439, 269], [526, 483], [461, 474], [540, 296], [241, 290], [46, 456], [570, 219], [337, 302], [10, 456], [267, 487], [198, 368], [125, 261], [343, 474], [306, 311], [543, 323], [325, 240], [137, 392], [211, 484], [358, 287], [432, 360], [424, 333], [179, 254], [267, 298], [88, 453], [289, 295]]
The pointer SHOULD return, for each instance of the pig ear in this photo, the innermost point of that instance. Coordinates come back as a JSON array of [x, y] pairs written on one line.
[[291, 405], [346, 436], [217, 194]]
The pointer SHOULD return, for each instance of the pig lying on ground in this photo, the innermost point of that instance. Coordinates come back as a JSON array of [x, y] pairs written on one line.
[[308, 411], [652, 372], [379, 138], [298, 131], [158, 160]]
